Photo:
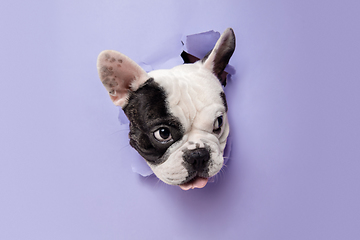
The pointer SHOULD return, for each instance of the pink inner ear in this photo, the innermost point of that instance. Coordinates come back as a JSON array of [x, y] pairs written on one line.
[[119, 74]]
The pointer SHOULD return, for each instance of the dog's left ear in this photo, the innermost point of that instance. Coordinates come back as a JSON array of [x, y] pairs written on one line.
[[217, 59]]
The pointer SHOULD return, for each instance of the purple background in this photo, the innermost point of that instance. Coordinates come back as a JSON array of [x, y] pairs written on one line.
[[65, 162]]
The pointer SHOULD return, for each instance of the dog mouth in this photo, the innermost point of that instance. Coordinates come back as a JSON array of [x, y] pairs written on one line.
[[197, 182]]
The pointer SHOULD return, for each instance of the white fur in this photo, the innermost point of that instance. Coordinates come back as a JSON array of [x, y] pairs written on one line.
[[194, 97]]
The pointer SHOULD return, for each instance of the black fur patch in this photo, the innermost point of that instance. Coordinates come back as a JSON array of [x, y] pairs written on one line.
[[223, 97], [147, 111]]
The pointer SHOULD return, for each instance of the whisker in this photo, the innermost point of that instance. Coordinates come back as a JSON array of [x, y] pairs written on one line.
[[123, 147], [220, 174], [119, 131]]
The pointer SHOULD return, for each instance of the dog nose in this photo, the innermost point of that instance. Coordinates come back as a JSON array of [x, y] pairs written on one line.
[[197, 158]]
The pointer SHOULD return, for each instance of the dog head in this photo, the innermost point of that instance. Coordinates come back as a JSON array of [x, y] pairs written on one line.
[[178, 117]]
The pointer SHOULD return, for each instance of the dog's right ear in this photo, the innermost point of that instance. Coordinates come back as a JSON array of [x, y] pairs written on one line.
[[217, 59], [119, 75]]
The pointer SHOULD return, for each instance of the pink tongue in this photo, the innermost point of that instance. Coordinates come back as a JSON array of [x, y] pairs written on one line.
[[197, 183]]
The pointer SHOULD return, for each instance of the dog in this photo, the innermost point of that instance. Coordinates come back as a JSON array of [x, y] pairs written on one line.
[[178, 117]]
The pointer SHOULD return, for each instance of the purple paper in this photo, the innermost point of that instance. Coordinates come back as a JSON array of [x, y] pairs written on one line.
[[65, 161]]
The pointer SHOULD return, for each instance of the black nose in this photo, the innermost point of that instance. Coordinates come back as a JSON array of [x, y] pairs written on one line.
[[197, 158]]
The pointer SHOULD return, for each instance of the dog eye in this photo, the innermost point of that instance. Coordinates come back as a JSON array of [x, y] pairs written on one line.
[[218, 124], [163, 135]]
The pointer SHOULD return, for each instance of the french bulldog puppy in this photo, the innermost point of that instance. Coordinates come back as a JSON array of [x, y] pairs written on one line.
[[178, 117]]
